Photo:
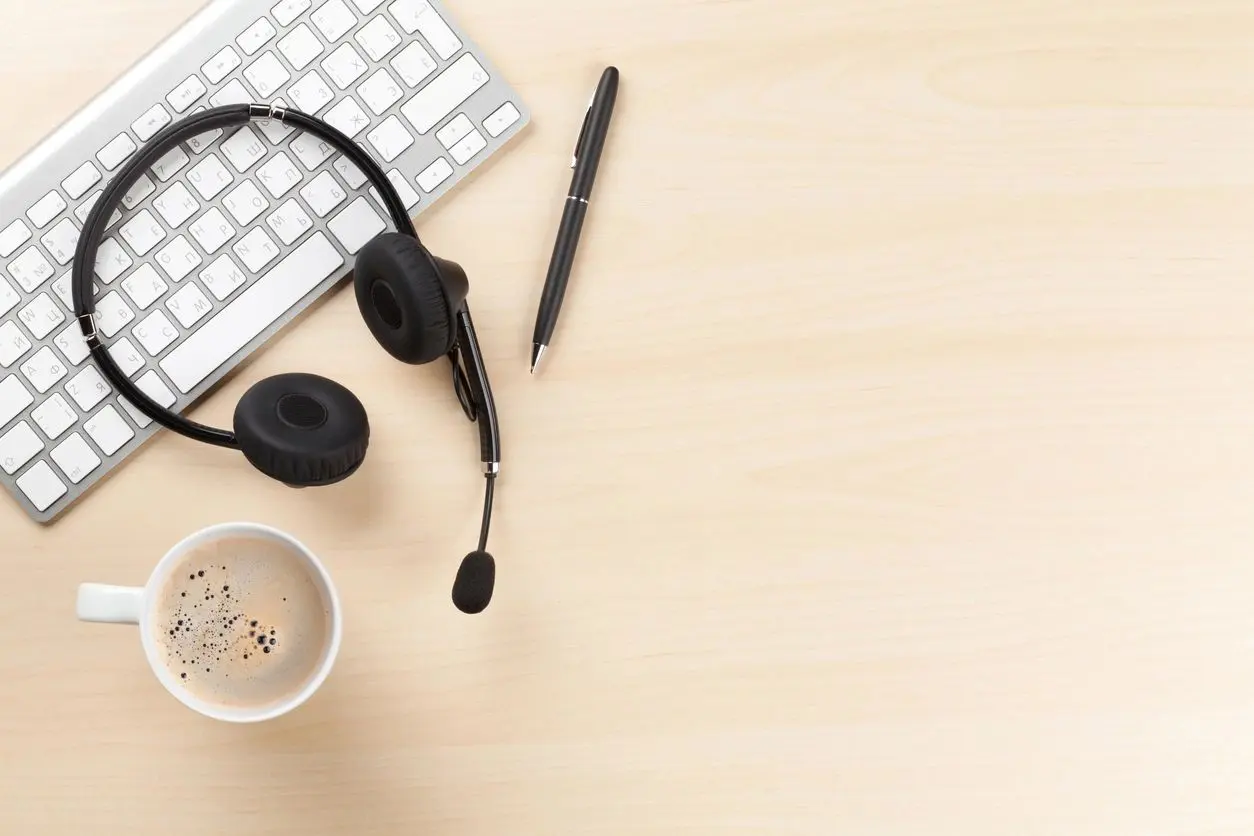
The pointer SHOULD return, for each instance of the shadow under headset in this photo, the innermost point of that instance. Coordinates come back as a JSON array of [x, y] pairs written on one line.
[[302, 429]]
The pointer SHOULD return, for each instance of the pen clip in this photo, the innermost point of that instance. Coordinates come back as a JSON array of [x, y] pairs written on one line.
[[583, 131]]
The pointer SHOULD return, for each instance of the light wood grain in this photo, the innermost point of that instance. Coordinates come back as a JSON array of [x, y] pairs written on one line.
[[893, 472]]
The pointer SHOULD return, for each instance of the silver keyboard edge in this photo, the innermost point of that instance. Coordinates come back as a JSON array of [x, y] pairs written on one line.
[[53, 151]]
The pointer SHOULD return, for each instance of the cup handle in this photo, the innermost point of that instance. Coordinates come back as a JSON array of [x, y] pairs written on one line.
[[109, 604]]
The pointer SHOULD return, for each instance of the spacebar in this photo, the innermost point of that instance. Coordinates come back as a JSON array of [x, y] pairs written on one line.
[[256, 309]]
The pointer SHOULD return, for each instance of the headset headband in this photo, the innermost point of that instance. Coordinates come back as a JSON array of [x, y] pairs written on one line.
[[224, 117]]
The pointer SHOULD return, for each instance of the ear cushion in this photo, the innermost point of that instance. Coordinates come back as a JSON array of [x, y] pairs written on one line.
[[302, 429], [401, 299]]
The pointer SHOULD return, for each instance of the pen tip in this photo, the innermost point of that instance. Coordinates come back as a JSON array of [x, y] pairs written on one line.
[[537, 353]]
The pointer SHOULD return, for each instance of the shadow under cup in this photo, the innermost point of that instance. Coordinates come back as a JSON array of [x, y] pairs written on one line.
[[240, 623]]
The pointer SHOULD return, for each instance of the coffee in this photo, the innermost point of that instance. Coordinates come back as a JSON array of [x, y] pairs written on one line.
[[242, 622]]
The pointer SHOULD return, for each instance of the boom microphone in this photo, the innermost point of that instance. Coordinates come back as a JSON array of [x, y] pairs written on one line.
[[472, 590]]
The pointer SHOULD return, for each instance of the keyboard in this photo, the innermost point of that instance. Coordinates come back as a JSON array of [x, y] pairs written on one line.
[[229, 237]]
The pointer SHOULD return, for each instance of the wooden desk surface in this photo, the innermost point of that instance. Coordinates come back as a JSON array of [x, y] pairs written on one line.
[[893, 472]]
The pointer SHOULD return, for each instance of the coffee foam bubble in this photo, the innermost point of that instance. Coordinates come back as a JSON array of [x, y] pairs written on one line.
[[242, 622]]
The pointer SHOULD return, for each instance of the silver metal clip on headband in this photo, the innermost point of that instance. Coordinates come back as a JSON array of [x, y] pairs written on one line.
[[267, 112], [89, 329]]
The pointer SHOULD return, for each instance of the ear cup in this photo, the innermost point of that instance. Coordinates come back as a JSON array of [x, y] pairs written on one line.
[[403, 299], [302, 429]]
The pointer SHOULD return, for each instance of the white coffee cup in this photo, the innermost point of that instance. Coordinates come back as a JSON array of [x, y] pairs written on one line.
[[104, 603]]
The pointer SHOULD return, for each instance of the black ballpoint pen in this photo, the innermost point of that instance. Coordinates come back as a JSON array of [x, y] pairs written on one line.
[[585, 162]]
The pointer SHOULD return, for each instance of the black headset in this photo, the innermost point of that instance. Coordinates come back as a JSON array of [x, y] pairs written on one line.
[[301, 429]]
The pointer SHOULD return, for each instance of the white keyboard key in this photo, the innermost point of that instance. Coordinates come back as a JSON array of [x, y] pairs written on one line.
[[278, 175], [435, 174], [437, 32], [18, 446], [109, 430], [46, 208], [30, 269], [390, 138], [256, 36], [13, 236], [465, 150], [151, 384], [139, 191], [289, 222], [333, 20], [75, 458], [417, 15], [41, 486], [220, 65], [266, 75], [141, 420], [155, 332], [61, 287], [367, 6], [13, 344], [501, 119], [323, 194], [61, 241], [54, 416], [72, 344], [14, 397], [202, 142], [273, 129], [378, 38], [84, 209], [223, 277], [350, 172], [300, 46], [43, 369], [288, 10], [144, 286], [111, 260], [143, 232], [344, 66], [403, 190], [9, 297], [178, 258], [454, 131], [209, 177], [413, 64], [87, 388], [348, 117], [170, 164], [77, 184], [189, 305], [186, 94], [428, 107], [153, 120], [310, 150], [254, 310], [245, 202], [112, 314], [256, 250], [118, 149], [380, 91], [41, 316], [211, 230], [127, 356], [310, 93], [233, 92], [244, 149], [175, 204], [356, 225]]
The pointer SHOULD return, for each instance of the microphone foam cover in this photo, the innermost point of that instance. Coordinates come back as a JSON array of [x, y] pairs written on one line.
[[472, 590]]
